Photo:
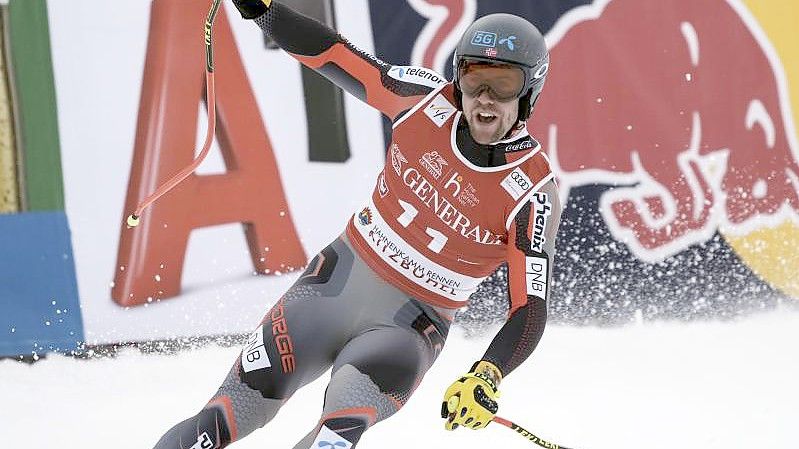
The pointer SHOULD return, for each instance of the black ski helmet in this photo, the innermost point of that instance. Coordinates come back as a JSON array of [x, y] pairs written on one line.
[[508, 39]]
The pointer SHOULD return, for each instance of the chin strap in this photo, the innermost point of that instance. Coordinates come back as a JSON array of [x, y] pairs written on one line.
[[526, 106], [514, 129]]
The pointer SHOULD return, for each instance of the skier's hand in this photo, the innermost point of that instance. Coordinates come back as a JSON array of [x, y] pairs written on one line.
[[471, 401], [251, 9]]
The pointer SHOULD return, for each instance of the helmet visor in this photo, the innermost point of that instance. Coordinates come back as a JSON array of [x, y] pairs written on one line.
[[503, 82]]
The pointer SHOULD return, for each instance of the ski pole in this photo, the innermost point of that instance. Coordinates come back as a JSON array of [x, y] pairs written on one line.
[[133, 219], [527, 434]]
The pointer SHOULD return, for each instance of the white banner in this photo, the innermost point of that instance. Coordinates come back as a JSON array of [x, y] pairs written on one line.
[[98, 56]]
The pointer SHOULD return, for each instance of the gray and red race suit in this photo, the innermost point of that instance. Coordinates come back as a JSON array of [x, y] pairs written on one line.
[[377, 303]]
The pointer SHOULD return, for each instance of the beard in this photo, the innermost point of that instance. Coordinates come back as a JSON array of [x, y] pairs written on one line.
[[485, 131]]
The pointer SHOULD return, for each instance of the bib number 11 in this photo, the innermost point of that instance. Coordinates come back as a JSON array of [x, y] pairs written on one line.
[[410, 212]]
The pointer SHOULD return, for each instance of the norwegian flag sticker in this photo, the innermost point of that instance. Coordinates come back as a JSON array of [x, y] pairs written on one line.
[[490, 52]]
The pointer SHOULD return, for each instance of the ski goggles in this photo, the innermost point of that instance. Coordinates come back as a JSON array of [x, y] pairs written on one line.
[[504, 82]]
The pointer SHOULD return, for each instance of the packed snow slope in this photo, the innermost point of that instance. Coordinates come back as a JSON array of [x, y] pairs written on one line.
[[664, 385]]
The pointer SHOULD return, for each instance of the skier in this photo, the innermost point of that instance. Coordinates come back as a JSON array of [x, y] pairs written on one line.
[[464, 189]]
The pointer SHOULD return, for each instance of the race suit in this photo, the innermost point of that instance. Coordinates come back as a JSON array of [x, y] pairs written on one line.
[[377, 303]]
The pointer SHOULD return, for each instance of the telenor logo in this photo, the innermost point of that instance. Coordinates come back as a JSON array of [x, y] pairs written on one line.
[[332, 445], [508, 41], [328, 439], [416, 75]]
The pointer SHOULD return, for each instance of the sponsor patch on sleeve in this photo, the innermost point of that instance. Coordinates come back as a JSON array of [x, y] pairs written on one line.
[[204, 441], [439, 110], [542, 209], [417, 75], [254, 356], [517, 184], [537, 271]]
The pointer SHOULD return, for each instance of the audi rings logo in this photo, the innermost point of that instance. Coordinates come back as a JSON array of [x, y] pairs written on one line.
[[517, 183], [521, 180]]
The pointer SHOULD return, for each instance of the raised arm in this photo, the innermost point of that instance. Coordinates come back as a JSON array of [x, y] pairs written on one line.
[[321, 48]]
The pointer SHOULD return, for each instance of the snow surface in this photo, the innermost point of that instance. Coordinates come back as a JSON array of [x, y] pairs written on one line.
[[657, 385]]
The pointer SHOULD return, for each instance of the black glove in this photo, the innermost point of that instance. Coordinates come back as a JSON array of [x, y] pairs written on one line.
[[251, 9]]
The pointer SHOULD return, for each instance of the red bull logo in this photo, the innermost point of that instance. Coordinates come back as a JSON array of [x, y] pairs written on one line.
[[682, 107], [694, 129]]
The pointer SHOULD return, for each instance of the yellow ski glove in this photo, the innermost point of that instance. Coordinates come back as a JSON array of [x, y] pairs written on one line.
[[471, 401]]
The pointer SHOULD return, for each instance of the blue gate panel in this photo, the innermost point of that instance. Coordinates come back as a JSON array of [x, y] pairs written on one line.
[[39, 305]]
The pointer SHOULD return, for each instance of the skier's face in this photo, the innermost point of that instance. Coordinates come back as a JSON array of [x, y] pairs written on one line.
[[490, 98], [489, 119]]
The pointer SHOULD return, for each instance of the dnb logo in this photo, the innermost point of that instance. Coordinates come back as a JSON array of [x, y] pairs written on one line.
[[689, 117]]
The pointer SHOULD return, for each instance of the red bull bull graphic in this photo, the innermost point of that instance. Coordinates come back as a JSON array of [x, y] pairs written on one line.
[[446, 21], [695, 128], [768, 250]]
